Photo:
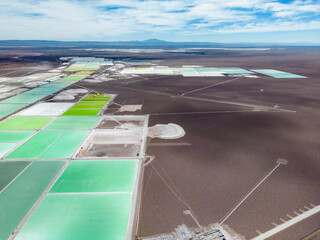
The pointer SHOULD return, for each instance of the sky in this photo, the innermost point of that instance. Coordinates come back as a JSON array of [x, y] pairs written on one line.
[[175, 20]]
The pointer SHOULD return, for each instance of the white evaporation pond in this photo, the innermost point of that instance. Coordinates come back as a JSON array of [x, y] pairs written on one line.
[[46, 109], [201, 74], [212, 74]]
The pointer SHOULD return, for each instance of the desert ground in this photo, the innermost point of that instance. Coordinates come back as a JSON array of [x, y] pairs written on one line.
[[236, 129]]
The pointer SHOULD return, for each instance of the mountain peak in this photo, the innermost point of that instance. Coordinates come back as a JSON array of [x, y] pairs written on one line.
[[154, 40]]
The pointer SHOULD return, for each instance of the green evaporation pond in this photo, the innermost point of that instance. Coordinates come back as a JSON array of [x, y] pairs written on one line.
[[83, 73], [74, 123], [80, 217], [94, 69], [66, 145], [71, 126], [9, 170], [90, 102], [89, 105], [73, 78], [19, 197], [75, 119], [73, 112], [83, 102], [97, 176], [41, 90], [6, 147], [25, 98], [69, 82], [92, 105], [36, 145], [14, 136], [25, 123], [69, 79], [9, 108], [96, 98], [49, 144]]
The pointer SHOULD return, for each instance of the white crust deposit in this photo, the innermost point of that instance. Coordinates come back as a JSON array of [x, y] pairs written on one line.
[[166, 131]]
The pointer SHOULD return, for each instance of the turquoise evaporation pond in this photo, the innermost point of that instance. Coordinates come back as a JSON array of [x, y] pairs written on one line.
[[9, 170], [9, 108], [49, 144], [70, 79], [14, 136], [276, 73], [17, 199], [55, 85], [6, 147], [42, 90], [79, 217], [81, 119], [24, 98], [10, 139], [97, 176], [47, 89], [235, 70], [227, 70], [74, 123]]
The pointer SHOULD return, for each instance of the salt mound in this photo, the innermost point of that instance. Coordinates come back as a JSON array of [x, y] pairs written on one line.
[[79, 90], [34, 84], [69, 94], [127, 126], [63, 97], [166, 131], [130, 108], [92, 80]]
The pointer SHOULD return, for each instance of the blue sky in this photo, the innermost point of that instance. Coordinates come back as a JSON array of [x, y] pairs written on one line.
[[176, 20]]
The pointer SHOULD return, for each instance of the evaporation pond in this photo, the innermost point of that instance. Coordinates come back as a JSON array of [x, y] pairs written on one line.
[[72, 119], [97, 176], [24, 98], [9, 170], [84, 105], [9, 108], [71, 126], [277, 73], [25, 123], [42, 91], [75, 112], [18, 198], [79, 217], [96, 98], [6, 147], [74, 123], [14, 136], [50, 144]]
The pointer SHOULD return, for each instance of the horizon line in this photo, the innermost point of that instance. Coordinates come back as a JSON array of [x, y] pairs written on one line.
[[159, 40]]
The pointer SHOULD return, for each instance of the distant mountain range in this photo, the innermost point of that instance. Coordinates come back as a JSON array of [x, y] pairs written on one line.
[[150, 43]]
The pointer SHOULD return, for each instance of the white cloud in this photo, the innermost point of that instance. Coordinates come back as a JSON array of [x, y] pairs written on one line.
[[270, 27], [100, 19], [295, 8]]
